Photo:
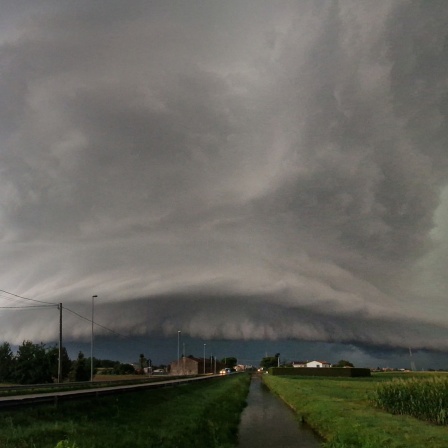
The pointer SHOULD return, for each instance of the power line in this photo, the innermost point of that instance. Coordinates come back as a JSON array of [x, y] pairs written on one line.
[[95, 323], [26, 298], [50, 304], [27, 306]]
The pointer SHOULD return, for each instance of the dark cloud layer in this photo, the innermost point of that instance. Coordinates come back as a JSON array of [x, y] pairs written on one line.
[[238, 170]]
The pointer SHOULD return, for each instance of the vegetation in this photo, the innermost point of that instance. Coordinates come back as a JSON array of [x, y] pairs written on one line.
[[229, 362], [341, 411], [117, 368], [423, 398], [39, 364], [33, 363], [270, 361], [202, 414], [6, 363], [343, 363], [80, 370]]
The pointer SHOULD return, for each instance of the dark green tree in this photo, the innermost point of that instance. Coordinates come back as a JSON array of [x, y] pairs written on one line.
[[105, 363], [33, 365], [123, 369], [66, 363], [80, 369], [343, 363], [229, 362], [143, 362], [269, 361], [6, 363]]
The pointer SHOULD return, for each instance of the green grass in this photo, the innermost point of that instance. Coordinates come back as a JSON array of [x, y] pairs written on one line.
[[341, 411], [204, 414], [423, 398]]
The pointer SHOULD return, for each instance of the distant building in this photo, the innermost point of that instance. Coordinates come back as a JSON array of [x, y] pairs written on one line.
[[189, 365], [323, 364], [299, 363]]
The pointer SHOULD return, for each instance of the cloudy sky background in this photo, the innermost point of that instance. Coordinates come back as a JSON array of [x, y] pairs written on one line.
[[242, 170]]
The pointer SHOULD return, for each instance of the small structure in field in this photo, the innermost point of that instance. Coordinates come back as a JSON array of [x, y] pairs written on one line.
[[318, 364], [297, 364]]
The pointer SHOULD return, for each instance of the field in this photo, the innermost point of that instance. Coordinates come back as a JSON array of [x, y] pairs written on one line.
[[343, 412], [204, 414], [423, 398]]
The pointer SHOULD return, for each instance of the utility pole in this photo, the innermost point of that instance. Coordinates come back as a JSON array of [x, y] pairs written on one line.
[[60, 345], [411, 360], [183, 358], [91, 341], [178, 348]]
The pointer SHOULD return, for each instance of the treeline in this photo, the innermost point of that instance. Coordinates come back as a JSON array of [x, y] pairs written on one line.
[[38, 364]]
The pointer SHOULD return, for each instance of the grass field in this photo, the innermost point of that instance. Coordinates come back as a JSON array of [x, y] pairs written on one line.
[[342, 411], [204, 414]]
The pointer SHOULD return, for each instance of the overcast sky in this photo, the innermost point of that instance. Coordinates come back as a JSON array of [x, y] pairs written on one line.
[[239, 169]]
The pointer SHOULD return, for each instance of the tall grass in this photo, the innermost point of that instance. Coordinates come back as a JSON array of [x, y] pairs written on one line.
[[423, 398], [204, 414]]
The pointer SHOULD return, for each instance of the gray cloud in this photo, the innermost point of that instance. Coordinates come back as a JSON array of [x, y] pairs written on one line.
[[237, 170]]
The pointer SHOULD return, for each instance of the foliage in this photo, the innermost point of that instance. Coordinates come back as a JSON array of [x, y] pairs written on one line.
[[143, 362], [229, 362], [36, 363], [201, 414], [33, 364], [340, 410], [123, 369], [269, 361], [6, 363], [80, 369], [66, 363], [117, 369], [343, 363], [107, 363], [423, 398]]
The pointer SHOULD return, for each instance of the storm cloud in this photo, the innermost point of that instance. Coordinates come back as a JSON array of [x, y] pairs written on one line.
[[239, 169]]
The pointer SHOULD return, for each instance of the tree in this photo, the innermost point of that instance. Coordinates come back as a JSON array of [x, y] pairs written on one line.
[[123, 369], [269, 361], [343, 363], [80, 369], [33, 364], [229, 362], [107, 363], [277, 355], [6, 363], [66, 363], [143, 362]]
